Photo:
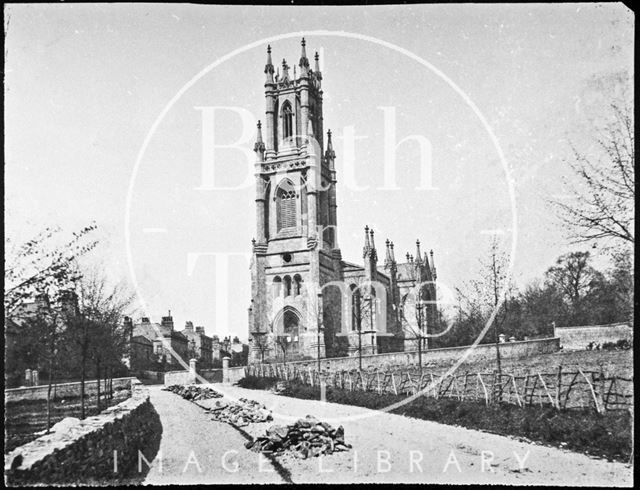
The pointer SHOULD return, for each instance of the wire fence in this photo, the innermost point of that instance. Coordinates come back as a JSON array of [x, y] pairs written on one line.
[[559, 389]]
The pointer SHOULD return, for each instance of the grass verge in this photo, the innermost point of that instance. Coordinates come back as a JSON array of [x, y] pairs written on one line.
[[607, 435]]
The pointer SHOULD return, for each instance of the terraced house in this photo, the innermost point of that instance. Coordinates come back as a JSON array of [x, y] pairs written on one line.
[[306, 300], [163, 335]]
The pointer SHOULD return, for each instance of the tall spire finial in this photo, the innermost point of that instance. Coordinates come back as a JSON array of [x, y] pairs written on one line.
[[304, 62], [388, 260], [317, 58], [433, 267], [285, 70], [259, 145], [367, 245], [373, 244], [393, 255], [268, 68], [418, 254]]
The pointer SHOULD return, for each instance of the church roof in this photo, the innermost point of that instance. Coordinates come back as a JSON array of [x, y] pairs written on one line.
[[351, 266]]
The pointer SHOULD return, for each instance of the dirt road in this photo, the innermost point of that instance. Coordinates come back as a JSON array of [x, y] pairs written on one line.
[[386, 448], [197, 450]]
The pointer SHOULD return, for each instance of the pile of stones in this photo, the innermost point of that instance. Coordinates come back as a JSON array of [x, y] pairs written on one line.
[[306, 438], [240, 414], [193, 392]]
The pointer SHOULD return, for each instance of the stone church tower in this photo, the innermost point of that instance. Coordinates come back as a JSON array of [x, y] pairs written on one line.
[[306, 301], [295, 250]]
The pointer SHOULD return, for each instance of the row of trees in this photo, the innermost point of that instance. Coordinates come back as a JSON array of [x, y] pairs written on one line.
[[67, 321], [571, 292], [600, 211]]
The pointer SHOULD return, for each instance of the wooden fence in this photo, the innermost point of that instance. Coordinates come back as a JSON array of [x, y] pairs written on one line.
[[559, 389]]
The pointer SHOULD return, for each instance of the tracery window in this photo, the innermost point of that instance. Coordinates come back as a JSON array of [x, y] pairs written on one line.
[[286, 205]]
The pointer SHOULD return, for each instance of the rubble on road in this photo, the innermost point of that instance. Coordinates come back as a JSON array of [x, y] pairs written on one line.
[[193, 392], [306, 438], [240, 414]]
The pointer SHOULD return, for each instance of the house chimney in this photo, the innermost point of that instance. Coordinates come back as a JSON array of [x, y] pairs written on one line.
[[167, 321], [188, 326], [200, 330], [144, 319]]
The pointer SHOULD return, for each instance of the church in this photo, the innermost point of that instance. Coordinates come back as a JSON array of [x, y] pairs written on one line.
[[307, 302]]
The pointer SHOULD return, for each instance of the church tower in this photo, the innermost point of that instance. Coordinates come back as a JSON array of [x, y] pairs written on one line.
[[295, 250]]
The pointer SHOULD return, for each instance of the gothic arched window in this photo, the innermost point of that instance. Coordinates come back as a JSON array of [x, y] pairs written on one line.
[[277, 286], [297, 284], [356, 306], [287, 285], [275, 126], [286, 205], [287, 120]]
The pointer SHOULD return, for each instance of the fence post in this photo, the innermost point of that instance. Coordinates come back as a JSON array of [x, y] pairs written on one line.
[[515, 389], [486, 394], [593, 393], [558, 386]]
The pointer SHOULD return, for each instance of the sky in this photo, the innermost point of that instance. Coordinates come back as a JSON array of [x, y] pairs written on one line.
[[104, 116]]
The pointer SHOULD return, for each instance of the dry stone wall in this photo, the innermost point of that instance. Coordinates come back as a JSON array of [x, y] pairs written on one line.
[[83, 451]]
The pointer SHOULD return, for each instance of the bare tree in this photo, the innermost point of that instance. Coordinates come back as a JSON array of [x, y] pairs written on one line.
[[605, 200], [261, 344], [98, 329], [40, 263], [283, 341], [482, 296]]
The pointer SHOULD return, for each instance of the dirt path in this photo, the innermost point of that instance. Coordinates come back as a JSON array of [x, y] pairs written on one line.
[[393, 448], [195, 449]]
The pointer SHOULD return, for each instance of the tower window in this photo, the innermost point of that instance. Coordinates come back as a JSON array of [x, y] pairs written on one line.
[[287, 285], [297, 284], [277, 286], [286, 206], [287, 120]]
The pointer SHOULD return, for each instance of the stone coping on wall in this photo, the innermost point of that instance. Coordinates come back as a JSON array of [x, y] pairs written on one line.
[[40, 391], [606, 325], [34, 453], [428, 352]]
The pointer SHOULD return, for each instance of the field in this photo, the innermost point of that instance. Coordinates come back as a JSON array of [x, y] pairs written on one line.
[[24, 418], [615, 362], [605, 435]]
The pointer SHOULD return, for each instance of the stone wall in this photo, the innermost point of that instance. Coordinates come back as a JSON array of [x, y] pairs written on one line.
[[179, 378], [211, 375], [84, 452], [62, 390], [233, 375], [227, 375], [481, 352], [577, 338]]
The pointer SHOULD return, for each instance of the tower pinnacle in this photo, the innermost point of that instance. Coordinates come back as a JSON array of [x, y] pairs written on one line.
[[259, 145], [304, 61], [268, 68]]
